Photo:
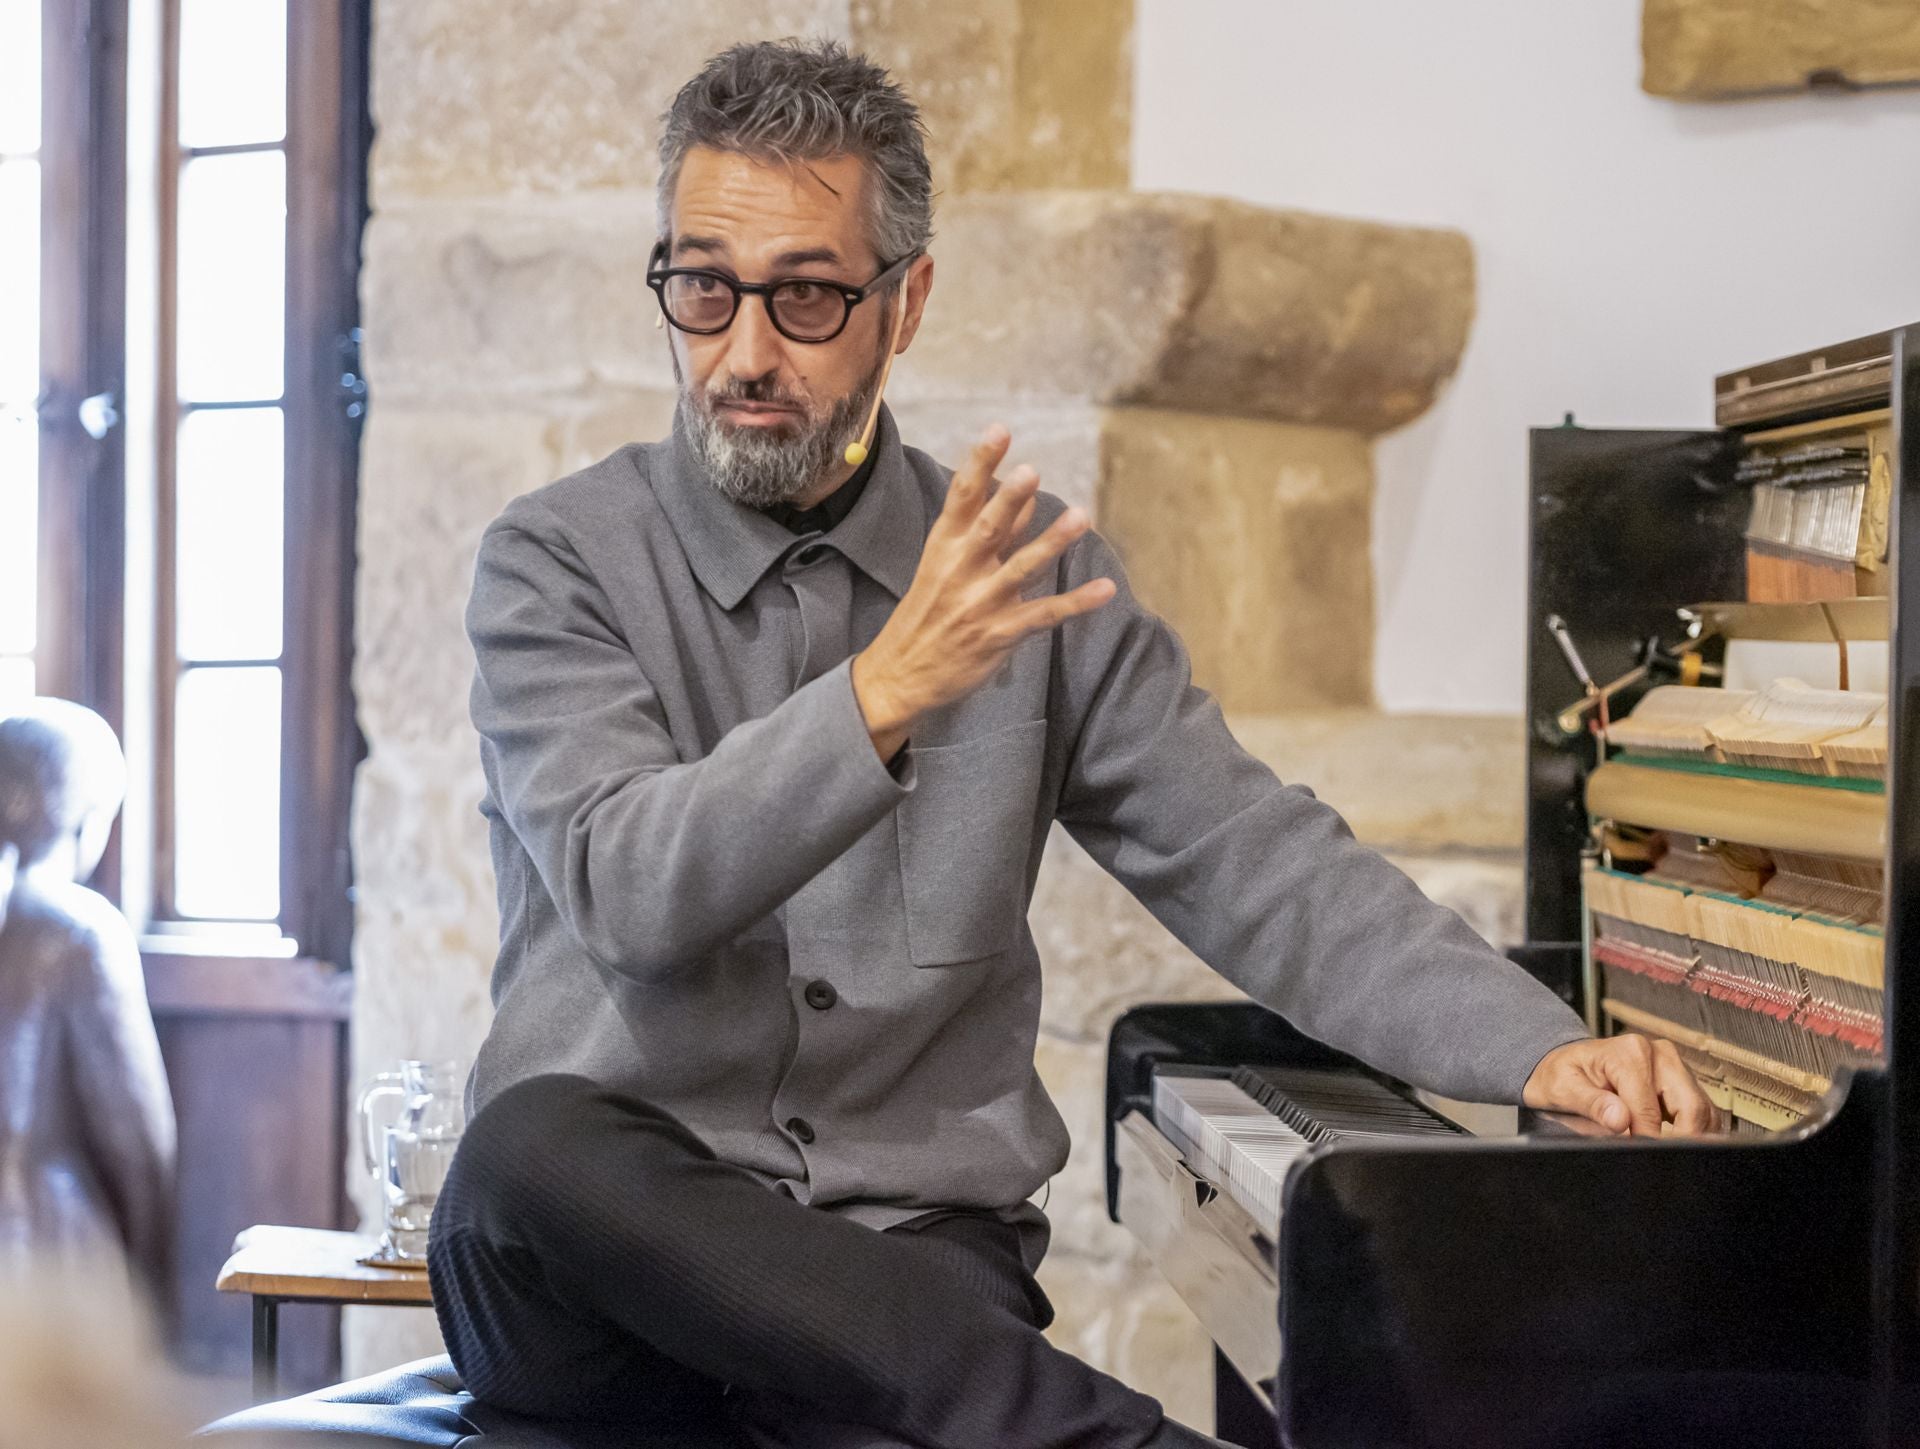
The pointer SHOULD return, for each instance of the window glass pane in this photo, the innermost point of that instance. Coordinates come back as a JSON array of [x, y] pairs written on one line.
[[233, 71], [19, 535], [226, 783], [233, 221], [19, 76], [19, 281], [228, 541], [16, 682]]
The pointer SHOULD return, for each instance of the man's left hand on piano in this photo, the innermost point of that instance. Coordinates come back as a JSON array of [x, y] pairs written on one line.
[[1628, 1084]]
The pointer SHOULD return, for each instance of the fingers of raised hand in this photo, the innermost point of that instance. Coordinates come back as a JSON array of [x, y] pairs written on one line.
[[1027, 560], [1021, 522], [972, 481], [1056, 609], [993, 524]]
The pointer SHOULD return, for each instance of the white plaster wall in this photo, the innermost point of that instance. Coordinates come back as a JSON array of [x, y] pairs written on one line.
[[1629, 248]]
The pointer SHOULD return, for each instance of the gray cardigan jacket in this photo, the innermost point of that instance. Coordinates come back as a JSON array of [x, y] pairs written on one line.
[[715, 896]]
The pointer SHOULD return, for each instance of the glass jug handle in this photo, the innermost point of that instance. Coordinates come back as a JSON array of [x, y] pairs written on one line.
[[385, 1084]]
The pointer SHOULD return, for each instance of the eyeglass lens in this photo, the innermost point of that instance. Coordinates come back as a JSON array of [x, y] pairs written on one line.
[[801, 308]]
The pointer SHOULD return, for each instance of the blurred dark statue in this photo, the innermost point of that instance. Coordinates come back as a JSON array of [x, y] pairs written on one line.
[[86, 1121]]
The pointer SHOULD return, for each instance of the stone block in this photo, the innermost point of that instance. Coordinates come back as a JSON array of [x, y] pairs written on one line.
[[427, 926], [1191, 302], [550, 97], [430, 484], [1076, 1199], [1721, 49], [1061, 439], [1488, 892], [1410, 781], [606, 421], [479, 301], [508, 97], [1016, 93], [1121, 1316], [1251, 539], [1085, 298], [1102, 951], [1062, 294]]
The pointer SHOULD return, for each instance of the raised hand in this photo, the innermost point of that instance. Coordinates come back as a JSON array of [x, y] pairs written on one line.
[[963, 613]]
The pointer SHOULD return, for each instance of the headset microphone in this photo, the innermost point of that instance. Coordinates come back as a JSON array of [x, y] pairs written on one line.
[[856, 453]]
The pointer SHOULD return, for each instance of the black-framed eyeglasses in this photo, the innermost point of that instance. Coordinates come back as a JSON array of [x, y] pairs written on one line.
[[803, 309]]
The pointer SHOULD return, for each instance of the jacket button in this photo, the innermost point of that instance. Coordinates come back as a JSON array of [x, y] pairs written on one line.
[[820, 995], [801, 1129]]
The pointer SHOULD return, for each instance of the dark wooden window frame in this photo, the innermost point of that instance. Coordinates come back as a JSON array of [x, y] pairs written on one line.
[[327, 101], [82, 650], [78, 651]]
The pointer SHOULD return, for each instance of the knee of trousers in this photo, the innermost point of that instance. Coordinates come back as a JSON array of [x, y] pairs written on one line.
[[545, 1135]]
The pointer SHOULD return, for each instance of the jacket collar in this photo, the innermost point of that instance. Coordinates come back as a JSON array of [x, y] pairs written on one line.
[[730, 546]]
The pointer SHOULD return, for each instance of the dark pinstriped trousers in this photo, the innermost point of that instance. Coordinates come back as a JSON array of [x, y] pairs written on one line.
[[592, 1260]]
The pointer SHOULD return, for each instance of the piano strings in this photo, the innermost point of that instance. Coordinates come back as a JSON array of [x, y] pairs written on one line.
[[1763, 961]]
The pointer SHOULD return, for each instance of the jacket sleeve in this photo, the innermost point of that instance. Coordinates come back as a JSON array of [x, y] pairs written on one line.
[[651, 860], [1267, 884]]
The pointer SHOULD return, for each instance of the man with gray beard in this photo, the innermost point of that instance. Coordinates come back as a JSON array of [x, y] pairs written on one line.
[[768, 469], [776, 715]]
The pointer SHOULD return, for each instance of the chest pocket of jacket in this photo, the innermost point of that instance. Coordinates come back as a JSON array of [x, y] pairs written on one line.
[[965, 832]]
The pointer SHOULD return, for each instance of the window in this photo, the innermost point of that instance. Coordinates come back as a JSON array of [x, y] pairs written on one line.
[[222, 701], [179, 417], [261, 136]]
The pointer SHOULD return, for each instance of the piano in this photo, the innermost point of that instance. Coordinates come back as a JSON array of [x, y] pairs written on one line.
[[1375, 1274]]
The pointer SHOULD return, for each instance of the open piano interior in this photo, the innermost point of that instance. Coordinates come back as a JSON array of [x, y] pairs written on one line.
[[1713, 843]]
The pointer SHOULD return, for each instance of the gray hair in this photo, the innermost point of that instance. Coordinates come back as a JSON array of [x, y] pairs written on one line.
[[806, 100]]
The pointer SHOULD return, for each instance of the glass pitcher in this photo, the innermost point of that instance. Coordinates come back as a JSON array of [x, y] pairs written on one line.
[[409, 1146]]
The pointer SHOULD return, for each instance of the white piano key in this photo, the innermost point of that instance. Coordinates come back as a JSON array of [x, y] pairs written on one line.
[[1247, 1144]]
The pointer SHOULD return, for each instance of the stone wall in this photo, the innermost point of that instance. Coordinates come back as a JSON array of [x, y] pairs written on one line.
[[1721, 49], [1205, 376]]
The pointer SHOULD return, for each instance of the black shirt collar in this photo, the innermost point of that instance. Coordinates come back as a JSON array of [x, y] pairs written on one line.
[[825, 515]]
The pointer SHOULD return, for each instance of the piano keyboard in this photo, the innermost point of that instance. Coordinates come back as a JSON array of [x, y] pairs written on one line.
[[1229, 1139], [1243, 1133]]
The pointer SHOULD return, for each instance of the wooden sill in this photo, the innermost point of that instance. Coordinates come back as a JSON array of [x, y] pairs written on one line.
[[183, 980]]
